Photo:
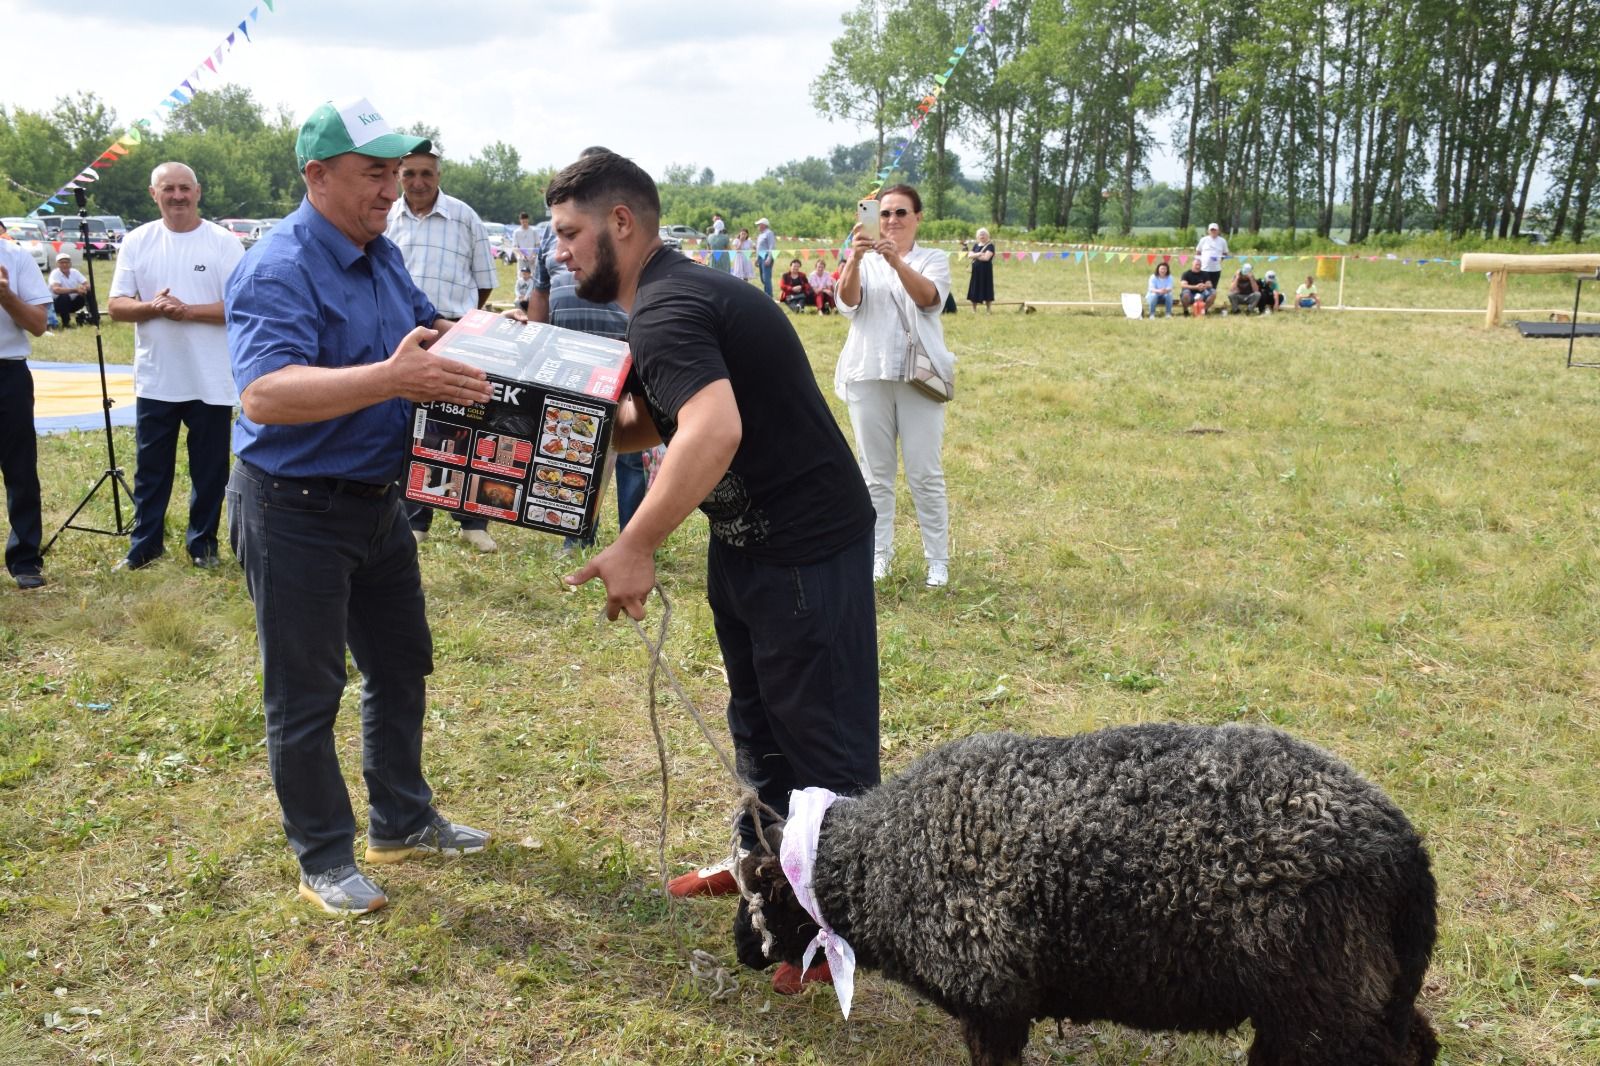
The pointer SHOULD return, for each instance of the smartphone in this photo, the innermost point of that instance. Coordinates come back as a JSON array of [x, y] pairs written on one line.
[[867, 217]]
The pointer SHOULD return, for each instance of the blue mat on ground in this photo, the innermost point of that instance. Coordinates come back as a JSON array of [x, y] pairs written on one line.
[[66, 396]]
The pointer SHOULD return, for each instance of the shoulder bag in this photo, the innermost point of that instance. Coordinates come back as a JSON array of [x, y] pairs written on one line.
[[919, 371]]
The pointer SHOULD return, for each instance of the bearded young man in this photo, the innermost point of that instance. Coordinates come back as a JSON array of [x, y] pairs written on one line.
[[720, 375]]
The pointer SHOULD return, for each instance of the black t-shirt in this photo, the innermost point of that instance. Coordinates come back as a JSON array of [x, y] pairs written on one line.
[[793, 493], [1195, 277]]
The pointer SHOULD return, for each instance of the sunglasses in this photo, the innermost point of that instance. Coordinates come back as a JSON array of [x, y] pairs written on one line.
[[899, 212]]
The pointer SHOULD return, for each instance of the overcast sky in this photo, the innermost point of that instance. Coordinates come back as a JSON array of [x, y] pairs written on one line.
[[718, 83]]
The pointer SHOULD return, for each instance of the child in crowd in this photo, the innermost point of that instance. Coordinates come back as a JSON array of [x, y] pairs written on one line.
[[524, 286], [1305, 297]]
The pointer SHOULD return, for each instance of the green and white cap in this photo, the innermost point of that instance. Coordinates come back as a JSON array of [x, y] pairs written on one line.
[[341, 126]]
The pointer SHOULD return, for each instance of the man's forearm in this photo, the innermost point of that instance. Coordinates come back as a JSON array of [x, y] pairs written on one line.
[[30, 317], [296, 394]]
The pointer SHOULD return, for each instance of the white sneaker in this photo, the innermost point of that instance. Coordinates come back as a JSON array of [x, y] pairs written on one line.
[[880, 566], [480, 539], [938, 575]]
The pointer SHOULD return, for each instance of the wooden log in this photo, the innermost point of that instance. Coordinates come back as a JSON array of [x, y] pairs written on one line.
[[1472, 262], [1501, 265]]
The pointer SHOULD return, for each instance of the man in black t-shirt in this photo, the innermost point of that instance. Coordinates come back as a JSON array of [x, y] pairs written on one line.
[[720, 375], [1196, 284]]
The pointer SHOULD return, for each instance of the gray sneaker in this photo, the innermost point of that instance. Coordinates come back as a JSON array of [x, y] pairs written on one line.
[[342, 891], [439, 837]]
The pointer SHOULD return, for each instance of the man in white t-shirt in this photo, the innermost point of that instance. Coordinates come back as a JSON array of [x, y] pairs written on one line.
[[23, 298], [1212, 250], [70, 291], [169, 283], [525, 240]]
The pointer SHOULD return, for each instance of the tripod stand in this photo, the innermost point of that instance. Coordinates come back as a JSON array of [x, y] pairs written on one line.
[[113, 473]]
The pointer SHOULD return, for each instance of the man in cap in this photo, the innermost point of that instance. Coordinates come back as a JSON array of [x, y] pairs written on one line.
[[168, 282], [23, 299], [328, 334], [766, 247], [1271, 293], [446, 249], [70, 289], [1211, 251]]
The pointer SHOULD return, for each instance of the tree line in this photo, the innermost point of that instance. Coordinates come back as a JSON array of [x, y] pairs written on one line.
[[242, 153], [1414, 114]]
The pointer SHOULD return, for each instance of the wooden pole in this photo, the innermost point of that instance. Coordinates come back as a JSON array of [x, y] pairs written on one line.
[[1497, 297], [1500, 266], [1088, 277], [1342, 260]]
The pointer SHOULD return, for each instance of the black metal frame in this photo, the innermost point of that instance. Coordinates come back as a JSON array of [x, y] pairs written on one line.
[[1572, 337], [113, 472]]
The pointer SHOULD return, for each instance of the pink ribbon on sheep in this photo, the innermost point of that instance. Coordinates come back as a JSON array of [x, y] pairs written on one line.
[[798, 855]]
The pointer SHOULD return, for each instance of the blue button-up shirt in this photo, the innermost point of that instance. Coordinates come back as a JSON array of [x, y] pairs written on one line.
[[308, 296]]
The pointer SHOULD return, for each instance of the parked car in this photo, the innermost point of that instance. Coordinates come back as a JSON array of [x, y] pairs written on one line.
[[681, 234], [114, 226], [242, 228], [35, 239], [31, 238], [500, 241], [262, 228], [102, 245]]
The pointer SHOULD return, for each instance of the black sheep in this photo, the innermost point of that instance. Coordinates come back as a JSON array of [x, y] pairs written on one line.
[[1158, 876]]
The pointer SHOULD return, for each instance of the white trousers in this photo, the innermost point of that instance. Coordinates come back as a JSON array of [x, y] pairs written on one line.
[[880, 413]]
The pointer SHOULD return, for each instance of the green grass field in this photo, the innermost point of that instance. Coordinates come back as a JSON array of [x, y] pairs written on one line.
[[1377, 531]]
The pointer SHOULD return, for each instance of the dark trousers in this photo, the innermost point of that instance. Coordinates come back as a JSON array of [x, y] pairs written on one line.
[[156, 434], [328, 570], [765, 263], [68, 302], [420, 518], [632, 482], [19, 465], [800, 644]]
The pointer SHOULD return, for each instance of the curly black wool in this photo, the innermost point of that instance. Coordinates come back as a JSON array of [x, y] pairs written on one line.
[[1165, 877]]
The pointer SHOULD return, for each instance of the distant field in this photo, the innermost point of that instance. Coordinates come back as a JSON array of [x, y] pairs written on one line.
[[1377, 531]]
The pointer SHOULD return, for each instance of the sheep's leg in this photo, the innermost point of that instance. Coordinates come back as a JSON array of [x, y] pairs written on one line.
[[1329, 1042], [995, 1041]]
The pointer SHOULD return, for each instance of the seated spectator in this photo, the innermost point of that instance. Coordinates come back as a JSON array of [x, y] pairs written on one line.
[[1194, 286], [70, 290], [1245, 292], [1271, 294], [1305, 297], [1159, 289], [822, 287], [795, 288]]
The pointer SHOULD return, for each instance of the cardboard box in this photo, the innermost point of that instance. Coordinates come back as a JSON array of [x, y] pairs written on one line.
[[535, 454]]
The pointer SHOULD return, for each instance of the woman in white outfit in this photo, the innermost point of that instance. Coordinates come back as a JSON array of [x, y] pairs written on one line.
[[879, 275]]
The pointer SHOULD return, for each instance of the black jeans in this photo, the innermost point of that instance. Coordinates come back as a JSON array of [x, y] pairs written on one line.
[[68, 302], [800, 644], [156, 433], [19, 465], [328, 568]]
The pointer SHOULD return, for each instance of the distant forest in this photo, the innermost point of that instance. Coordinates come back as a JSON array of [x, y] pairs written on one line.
[[1371, 120]]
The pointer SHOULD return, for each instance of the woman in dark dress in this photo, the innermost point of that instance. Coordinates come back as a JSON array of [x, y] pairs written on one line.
[[980, 290]]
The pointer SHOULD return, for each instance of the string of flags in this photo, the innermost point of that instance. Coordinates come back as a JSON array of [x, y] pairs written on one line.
[[1075, 255], [138, 130], [926, 105]]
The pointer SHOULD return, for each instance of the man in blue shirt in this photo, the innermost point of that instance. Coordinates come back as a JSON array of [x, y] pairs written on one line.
[[327, 332]]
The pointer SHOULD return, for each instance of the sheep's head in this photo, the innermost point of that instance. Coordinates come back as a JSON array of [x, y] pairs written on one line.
[[770, 926]]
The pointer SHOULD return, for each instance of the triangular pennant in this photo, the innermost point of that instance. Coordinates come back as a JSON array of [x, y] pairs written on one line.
[[244, 29], [217, 55], [961, 50], [254, 13], [941, 78], [118, 149], [212, 67], [1035, 257], [269, 5], [231, 36], [55, 200], [1151, 258]]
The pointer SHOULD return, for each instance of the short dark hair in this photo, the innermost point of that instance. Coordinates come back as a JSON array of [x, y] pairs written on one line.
[[603, 179], [908, 191], [523, 215]]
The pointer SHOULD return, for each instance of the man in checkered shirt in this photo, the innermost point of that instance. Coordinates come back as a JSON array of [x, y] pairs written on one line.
[[446, 250]]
